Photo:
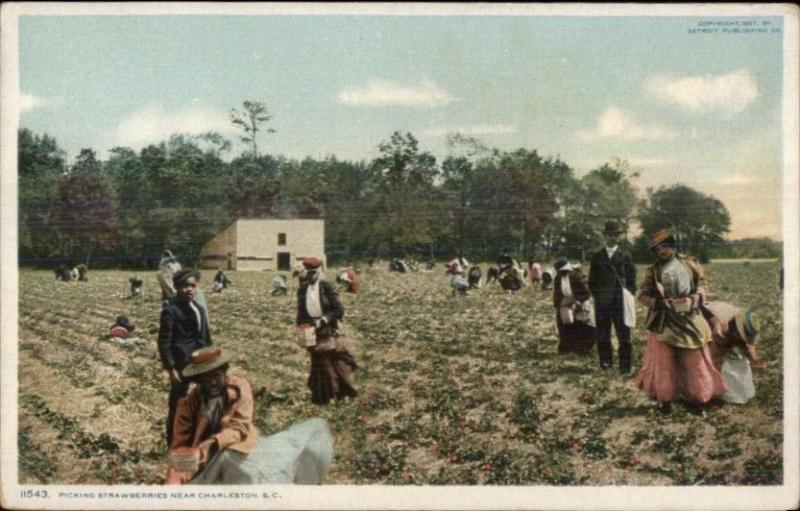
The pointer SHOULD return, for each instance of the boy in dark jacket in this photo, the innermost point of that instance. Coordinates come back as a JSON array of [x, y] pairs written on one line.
[[184, 329]]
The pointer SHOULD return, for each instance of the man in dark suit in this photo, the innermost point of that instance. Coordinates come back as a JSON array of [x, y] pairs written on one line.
[[611, 268], [183, 330]]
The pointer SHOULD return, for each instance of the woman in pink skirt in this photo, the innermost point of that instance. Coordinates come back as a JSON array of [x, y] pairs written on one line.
[[677, 361]]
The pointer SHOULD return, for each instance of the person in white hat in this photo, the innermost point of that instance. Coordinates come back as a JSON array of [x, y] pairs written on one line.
[[574, 321]]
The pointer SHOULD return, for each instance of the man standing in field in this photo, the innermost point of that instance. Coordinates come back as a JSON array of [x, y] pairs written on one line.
[[612, 268], [183, 330]]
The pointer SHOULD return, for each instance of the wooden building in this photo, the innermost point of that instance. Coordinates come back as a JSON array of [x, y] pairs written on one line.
[[265, 244]]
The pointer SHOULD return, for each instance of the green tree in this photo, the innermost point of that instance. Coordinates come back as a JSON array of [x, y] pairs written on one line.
[[41, 163], [402, 206], [697, 221], [133, 194], [524, 201], [85, 215], [254, 187], [458, 191], [610, 194], [249, 120]]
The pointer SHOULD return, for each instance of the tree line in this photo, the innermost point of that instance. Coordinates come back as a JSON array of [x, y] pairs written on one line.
[[177, 194]]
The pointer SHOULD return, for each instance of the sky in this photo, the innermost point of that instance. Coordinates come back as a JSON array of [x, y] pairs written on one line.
[[680, 105]]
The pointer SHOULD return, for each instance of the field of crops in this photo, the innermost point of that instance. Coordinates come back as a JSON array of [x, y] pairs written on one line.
[[454, 390]]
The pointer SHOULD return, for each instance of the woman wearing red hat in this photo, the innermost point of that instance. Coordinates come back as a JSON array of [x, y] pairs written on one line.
[[677, 359], [319, 311]]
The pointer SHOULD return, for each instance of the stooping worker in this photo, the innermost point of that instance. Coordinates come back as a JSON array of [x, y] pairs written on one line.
[[221, 281], [183, 329], [318, 314], [348, 279], [216, 442], [574, 318], [733, 348], [677, 358]]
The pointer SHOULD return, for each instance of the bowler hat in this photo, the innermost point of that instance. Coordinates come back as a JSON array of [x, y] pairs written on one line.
[[183, 275], [662, 237], [746, 326], [312, 263], [612, 227], [204, 361]]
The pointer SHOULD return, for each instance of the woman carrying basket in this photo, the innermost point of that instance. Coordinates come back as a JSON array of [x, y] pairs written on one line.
[[677, 360], [319, 312]]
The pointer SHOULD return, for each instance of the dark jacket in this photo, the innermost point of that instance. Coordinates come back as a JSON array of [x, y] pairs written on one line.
[[603, 282], [179, 336], [332, 308]]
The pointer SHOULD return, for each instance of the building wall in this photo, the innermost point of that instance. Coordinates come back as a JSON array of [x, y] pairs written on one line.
[[214, 254], [257, 242]]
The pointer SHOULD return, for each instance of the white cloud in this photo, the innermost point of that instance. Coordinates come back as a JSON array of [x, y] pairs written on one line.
[[379, 92], [738, 179], [473, 130], [29, 102], [646, 162], [618, 124], [731, 92], [154, 124]]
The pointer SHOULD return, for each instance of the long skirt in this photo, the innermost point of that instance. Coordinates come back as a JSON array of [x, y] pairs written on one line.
[[576, 337], [668, 371], [301, 454], [331, 375]]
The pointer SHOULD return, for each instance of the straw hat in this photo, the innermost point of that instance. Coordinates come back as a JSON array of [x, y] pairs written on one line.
[[205, 360], [746, 326], [662, 236]]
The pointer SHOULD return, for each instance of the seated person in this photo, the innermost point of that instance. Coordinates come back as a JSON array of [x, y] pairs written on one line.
[[215, 441]]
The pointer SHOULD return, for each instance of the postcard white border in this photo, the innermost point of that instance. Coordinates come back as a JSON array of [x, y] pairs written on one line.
[[402, 497]]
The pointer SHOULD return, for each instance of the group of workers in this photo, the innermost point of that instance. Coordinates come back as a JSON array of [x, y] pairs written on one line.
[[695, 349]]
